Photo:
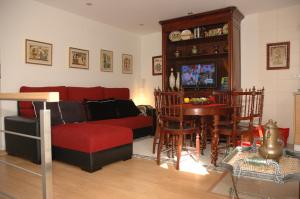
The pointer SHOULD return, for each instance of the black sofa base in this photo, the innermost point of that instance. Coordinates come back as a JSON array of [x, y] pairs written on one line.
[[23, 147], [92, 161], [141, 132], [30, 149]]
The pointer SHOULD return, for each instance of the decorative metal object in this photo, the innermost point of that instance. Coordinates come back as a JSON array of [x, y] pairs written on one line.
[[216, 49], [194, 50], [271, 147], [177, 53], [172, 80]]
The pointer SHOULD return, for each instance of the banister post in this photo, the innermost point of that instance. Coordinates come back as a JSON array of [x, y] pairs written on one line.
[[46, 154]]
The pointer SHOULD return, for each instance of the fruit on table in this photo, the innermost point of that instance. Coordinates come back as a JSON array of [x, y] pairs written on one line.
[[186, 100], [199, 100]]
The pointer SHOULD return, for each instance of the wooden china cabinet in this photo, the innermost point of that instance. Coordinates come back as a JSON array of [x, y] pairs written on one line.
[[211, 38]]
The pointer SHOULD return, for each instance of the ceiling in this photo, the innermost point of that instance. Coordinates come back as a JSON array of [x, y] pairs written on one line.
[[142, 16]]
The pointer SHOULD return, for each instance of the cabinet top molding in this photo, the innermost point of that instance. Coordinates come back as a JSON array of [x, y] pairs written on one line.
[[229, 10]]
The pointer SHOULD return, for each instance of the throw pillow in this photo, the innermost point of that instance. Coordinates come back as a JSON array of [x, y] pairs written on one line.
[[101, 109], [127, 108], [72, 111], [56, 117]]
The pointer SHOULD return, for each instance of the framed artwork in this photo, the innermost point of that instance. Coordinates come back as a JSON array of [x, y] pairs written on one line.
[[78, 58], [37, 52], [127, 63], [278, 55], [106, 60], [157, 65]]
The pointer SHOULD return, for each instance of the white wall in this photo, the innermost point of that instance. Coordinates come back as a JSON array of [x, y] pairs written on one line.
[[256, 31], [20, 20], [268, 27], [151, 46]]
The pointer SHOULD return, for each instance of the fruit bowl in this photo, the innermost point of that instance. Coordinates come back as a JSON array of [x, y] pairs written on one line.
[[201, 100]]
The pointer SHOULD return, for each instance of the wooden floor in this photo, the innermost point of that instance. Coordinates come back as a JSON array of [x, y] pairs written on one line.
[[132, 179]]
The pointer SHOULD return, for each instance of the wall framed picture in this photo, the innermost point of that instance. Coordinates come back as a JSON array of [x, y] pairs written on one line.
[[278, 55], [127, 64], [157, 65], [37, 52], [78, 58], [106, 60]]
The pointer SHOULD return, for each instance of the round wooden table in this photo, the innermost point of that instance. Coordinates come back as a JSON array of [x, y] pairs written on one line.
[[214, 110]]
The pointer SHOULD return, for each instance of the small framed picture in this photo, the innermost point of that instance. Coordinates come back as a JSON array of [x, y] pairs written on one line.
[[278, 55], [157, 65], [37, 52], [127, 63], [78, 58], [106, 60]]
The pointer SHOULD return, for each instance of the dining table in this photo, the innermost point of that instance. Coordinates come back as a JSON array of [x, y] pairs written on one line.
[[215, 111]]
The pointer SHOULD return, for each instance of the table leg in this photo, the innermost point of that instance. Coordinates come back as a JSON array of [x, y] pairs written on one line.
[[234, 186], [203, 135], [215, 140], [197, 146]]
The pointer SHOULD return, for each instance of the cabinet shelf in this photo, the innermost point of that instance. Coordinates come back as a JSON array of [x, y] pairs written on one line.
[[199, 40], [199, 56]]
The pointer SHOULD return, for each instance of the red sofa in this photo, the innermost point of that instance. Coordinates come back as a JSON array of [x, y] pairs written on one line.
[[90, 144]]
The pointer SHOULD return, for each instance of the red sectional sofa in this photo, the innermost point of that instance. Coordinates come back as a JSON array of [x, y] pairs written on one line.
[[88, 144]]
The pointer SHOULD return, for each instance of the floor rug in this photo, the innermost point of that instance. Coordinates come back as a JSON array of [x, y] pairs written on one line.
[[142, 148], [249, 188]]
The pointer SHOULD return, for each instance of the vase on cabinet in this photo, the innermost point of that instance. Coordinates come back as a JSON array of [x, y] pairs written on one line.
[[172, 80], [177, 83]]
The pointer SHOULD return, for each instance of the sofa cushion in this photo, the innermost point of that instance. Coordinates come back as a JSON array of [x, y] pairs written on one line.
[[26, 108], [116, 93], [81, 93], [72, 111], [126, 108], [87, 137], [101, 109], [135, 122], [56, 117]]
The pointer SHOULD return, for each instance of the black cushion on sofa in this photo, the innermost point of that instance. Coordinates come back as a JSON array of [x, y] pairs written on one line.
[[126, 108], [72, 111], [56, 117], [101, 109]]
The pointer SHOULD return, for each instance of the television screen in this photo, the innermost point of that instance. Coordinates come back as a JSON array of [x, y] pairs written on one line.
[[198, 75]]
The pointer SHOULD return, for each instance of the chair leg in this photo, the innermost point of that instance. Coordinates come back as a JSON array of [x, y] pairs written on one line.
[[160, 145], [173, 145], [191, 139], [169, 145], [179, 147], [155, 139]]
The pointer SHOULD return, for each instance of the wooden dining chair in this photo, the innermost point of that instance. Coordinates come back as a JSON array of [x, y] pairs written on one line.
[[258, 105], [157, 99], [241, 121], [172, 124]]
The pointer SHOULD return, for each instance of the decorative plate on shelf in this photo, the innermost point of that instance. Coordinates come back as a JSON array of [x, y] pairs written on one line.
[[186, 34], [175, 36]]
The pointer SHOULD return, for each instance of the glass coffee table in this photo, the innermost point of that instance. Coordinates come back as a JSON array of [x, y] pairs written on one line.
[[246, 162]]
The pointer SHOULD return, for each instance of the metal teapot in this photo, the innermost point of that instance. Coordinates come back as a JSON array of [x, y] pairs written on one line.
[[271, 147]]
